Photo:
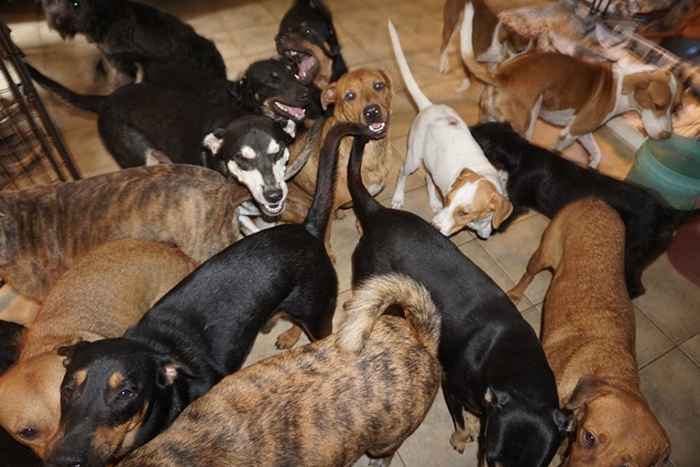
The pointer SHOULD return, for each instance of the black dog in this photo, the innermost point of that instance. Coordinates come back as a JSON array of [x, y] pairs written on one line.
[[140, 119], [541, 180], [10, 336], [131, 33], [494, 365], [308, 38], [119, 393]]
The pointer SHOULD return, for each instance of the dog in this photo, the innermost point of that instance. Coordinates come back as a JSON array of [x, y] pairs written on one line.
[[541, 180], [44, 230], [579, 96], [362, 390], [483, 38], [307, 36], [596, 372], [106, 291], [199, 332], [494, 366], [132, 35], [458, 172]]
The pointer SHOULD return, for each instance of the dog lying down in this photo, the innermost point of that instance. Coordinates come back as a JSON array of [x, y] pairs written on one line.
[[362, 390]]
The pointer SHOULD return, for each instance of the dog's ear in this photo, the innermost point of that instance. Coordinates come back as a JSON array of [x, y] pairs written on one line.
[[387, 79], [170, 370], [587, 389], [68, 351], [502, 208], [329, 96], [214, 140], [495, 398], [564, 420]]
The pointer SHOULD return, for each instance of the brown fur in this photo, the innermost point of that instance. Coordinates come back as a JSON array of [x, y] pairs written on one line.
[[324, 404], [104, 293], [588, 333], [651, 90]]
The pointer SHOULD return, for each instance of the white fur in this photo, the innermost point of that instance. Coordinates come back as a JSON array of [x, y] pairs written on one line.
[[248, 152], [213, 143], [273, 148], [442, 142]]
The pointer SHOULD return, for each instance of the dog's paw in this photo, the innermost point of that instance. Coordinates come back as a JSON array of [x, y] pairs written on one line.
[[397, 202], [287, 339], [460, 439], [444, 63]]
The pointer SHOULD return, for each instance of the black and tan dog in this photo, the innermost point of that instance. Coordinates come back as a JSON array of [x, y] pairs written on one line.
[[44, 230], [307, 36], [494, 366], [134, 387], [362, 390], [132, 34]]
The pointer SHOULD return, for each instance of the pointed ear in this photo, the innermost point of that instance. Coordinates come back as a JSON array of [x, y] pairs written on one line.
[[587, 389], [329, 96], [564, 420], [502, 208], [214, 140], [495, 399], [170, 371]]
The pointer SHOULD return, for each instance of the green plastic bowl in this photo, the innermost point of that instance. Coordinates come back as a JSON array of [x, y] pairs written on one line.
[[670, 167]]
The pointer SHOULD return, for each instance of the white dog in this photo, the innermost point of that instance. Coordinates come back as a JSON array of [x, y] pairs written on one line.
[[471, 188]]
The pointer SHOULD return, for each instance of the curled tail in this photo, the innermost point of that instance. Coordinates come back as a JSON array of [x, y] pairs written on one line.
[[87, 102], [362, 202], [420, 99], [371, 299]]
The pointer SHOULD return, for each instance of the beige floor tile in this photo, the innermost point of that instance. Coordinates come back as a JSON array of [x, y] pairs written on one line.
[[248, 15], [670, 385], [533, 316], [344, 238], [691, 348], [651, 343], [256, 40], [89, 153]]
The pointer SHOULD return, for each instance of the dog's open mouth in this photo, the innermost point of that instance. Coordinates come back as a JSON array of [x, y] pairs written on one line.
[[272, 210], [378, 128], [295, 113], [307, 65]]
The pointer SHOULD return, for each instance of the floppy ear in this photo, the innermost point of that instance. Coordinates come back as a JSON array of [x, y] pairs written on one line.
[[68, 351], [564, 420], [170, 370], [496, 399], [387, 79], [329, 96], [660, 93], [502, 208], [214, 140], [587, 389]]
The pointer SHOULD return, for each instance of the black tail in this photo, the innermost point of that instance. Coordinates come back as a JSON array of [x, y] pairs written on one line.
[[362, 202], [317, 218], [87, 102]]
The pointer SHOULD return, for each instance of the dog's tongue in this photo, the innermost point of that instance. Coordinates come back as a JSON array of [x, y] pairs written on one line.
[[296, 112], [305, 66]]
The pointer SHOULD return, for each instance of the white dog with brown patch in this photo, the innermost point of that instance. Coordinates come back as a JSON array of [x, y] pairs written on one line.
[[458, 171]]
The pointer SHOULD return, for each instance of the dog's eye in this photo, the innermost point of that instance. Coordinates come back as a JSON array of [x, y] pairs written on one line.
[[349, 96], [75, 4], [275, 76], [126, 393], [588, 439], [28, 433], [379, 86]]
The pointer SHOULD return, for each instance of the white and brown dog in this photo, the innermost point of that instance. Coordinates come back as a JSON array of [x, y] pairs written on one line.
[[472, 189], [579, 96]]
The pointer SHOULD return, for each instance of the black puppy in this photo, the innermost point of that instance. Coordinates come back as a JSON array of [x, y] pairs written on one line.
[[137, 120], [494, 365], [541, 180], [308, 38], [119, 393], [132, 33]]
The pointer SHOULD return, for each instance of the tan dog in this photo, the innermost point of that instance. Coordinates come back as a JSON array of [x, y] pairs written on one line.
[[104, 293], [579, 96], [588, 333], [363, 390]]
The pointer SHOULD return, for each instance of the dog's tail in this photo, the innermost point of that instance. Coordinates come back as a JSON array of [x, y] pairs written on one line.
[[372, 298], [420, 99], [317, 218], [87, 102], [362, 202]]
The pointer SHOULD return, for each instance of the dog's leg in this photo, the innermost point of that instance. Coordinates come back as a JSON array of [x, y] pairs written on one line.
[[155, 157], [288, 338], [534, 266], [399, 192], [461, 436], [564, 140], [534, 114], [433, 196], [380, 461], [591, 146]]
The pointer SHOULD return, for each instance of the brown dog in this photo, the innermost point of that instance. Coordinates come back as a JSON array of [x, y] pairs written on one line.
[[588, 335], [105, 292], [363, 390]]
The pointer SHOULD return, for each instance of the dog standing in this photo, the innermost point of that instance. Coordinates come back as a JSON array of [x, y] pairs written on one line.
[[579, 96], [362, 390], [494, 366], [199, 332], [588, 335], [105, 292], [132, 35], [458, 172]]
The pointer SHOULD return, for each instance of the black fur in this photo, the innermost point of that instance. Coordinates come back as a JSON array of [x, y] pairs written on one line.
[[10, 335], [204, 328], [174, 119], [132, 33], [485, 343], [539, 179]]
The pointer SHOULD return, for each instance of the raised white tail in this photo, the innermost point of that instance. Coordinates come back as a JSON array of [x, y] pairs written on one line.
[[419, 98]]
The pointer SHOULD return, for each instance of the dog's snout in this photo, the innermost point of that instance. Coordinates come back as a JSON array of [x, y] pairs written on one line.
[[372, 113], [273, 195], [664, 135]]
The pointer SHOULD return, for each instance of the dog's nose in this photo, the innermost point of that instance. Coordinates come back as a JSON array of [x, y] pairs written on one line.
[[664, 135], [273, 195], [372, 113]]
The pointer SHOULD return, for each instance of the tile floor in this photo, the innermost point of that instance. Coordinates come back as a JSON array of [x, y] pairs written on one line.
[[668, 316]]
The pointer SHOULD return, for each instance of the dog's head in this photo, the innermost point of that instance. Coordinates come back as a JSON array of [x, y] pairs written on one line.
[[253, 149], [614, 427], [473, 201], [654, 94], [308, 38], [516, 434], [71, 17], [114, 398], [270, 88], [31, 406], [361, 96]]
